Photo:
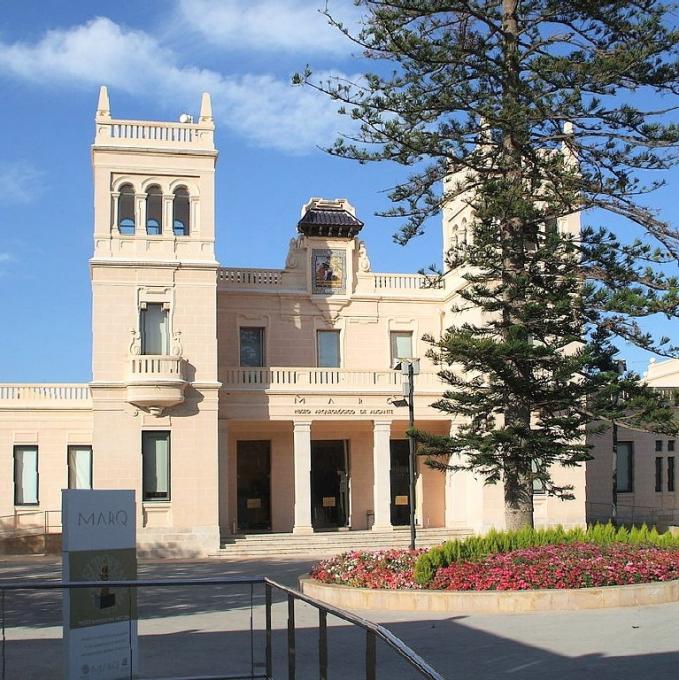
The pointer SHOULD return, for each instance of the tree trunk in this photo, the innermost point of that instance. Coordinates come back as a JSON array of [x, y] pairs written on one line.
[[518, 486]]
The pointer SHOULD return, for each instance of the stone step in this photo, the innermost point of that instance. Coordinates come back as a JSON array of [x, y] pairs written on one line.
[[349, 536], [327, 543]]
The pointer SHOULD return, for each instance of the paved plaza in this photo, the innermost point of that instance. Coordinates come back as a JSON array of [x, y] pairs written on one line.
[[206, 631]]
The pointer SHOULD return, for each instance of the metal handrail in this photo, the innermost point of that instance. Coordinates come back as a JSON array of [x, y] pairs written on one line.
[[414, 659], [16, 531], [373, 630]]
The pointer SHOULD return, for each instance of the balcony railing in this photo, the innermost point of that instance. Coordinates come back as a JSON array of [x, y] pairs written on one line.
[[44, 393], [250, 278], [157, 368], [297, 379], [268, 279], [406, 282], [197, 136]]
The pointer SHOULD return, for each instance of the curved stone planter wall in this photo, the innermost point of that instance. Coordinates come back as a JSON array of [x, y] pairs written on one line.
[[491, 602]]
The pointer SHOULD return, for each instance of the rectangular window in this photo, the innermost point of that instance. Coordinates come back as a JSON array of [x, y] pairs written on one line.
[[25, 475], [155, 451], [155, 332], [670, 473], [625, 467], [538, 484], [79, 467], [328, 349], [401, 345], [670, 445], [658, 444], [658, 473], [251, 347]]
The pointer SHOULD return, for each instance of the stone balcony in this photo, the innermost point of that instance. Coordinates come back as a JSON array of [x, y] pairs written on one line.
[[156, 382]]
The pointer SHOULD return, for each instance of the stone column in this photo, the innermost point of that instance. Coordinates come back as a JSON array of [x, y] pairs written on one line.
[[302, 455], [381, 475], [167, 225]]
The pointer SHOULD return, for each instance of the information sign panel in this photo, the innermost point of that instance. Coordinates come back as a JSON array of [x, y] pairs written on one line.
[[100, 624]]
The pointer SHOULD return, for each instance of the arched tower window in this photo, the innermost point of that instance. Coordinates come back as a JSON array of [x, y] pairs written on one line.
[[180, 212], [154, 210], [126, 210]]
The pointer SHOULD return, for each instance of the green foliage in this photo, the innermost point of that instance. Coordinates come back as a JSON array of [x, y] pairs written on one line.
[[528, 112], [476, 548]]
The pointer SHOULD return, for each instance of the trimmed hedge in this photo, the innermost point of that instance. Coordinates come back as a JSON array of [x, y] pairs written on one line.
[[476, 548]]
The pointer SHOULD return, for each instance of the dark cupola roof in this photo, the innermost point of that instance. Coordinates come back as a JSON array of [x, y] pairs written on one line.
[[323, 217]]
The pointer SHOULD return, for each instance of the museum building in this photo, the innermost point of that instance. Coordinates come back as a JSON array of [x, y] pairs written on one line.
[[237, 401]]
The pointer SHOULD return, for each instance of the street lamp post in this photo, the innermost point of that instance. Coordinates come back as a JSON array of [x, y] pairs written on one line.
[[410, 368], [411, 444], [621, 367]]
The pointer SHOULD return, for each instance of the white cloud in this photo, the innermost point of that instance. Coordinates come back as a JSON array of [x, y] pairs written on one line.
[[270, 25], [20, 182], [5, 257], [264, 109]]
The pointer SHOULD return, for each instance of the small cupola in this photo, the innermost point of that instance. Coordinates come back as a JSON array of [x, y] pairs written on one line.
[[335, 218]]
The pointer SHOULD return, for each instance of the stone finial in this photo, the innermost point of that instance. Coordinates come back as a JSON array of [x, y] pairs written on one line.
[[568, 128], [292, 260], [206, 109], [363, 259], [103, 105]]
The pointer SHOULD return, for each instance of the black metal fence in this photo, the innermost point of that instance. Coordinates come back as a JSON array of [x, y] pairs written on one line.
[[374, 633]]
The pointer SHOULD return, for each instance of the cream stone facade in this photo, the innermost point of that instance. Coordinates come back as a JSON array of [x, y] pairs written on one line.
[[645, 466], [241, 400]]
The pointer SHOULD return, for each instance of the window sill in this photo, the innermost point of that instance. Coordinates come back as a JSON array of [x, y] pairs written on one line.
[[160, 503]]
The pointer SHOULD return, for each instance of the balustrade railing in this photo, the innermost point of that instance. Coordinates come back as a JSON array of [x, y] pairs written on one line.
[[250, 278], [295, 378], [56, 392], [158, 131], [157, 367], [406, 282], [136, 132]]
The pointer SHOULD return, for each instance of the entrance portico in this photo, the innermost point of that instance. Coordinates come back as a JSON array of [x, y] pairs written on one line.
[[325, 475]]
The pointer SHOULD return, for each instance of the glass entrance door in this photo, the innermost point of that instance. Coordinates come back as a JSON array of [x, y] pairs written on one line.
[[400, 487], [253, 462], [329, 484]]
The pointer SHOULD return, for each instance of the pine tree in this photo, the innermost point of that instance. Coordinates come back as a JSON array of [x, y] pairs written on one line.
[[530, 111]]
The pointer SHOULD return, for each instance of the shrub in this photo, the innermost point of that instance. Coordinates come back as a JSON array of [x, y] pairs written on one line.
[[477, 548]]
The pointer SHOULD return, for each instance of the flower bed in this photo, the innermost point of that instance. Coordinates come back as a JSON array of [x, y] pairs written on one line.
[[390, 569], [572, 565]]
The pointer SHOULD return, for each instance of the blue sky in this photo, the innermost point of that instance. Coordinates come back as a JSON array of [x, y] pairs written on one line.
[[157, 57]]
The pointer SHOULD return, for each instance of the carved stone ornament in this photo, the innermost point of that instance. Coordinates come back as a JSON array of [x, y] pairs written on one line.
[[292, 260], [176, 349], [135, 345], [363, 260]]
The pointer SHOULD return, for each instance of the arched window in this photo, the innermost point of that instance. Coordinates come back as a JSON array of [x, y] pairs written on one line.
[[126, 210], [154, 210], [180, 212]]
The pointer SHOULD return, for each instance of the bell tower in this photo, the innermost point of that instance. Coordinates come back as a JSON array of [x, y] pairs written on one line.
[[154, 351]]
